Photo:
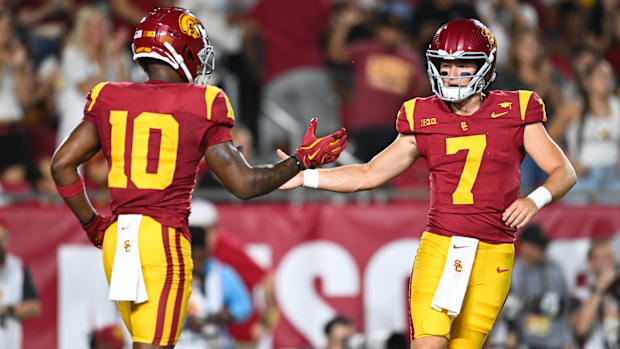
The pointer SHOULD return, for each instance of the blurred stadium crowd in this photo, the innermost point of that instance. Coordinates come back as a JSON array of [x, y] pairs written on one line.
[[350, 62]]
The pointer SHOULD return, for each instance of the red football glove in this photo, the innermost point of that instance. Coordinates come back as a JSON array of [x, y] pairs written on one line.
[[315, 152], [95, 229]]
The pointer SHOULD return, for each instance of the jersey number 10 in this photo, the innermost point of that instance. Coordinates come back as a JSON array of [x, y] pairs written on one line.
[[142, 126]]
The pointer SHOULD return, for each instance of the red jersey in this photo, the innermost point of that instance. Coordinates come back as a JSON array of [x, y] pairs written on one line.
[[383, 79], [474, 161], [153, 136]]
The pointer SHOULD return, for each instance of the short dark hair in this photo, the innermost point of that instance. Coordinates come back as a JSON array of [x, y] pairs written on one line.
[[336, 320]]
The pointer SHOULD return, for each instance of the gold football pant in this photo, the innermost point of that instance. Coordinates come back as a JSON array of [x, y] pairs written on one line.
[[165, 255], [486, 292]]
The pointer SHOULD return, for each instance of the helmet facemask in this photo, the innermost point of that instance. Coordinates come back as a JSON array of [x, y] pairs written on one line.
[[477, 83], [207, 65]]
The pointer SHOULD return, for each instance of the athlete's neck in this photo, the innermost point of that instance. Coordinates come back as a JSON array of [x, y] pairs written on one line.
[[164, 73], [467, 106]]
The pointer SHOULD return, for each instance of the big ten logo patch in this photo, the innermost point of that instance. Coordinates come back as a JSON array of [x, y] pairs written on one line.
[[464, 126], [127, 246], [457, 265]]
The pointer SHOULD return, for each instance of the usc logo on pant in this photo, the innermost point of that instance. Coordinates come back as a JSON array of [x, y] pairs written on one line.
[[457, 265]]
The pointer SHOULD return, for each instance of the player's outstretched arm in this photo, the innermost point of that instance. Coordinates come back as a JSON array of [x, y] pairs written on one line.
[[392, 161], [550, 158], [81, 145], [246, 181]]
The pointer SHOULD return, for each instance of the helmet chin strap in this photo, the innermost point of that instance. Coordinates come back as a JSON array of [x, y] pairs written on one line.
[[179, 59]]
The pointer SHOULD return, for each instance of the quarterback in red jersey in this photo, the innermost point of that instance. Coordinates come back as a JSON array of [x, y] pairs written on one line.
[[153, 136], [473, 141]]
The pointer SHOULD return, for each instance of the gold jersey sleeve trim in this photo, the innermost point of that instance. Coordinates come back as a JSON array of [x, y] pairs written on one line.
[[211, 93], [229, 114], [524, 98], [544, 112], [94, 93], [409, 108]]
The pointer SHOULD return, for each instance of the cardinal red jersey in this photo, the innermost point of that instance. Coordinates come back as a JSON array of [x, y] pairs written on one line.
[[153, 136], [474, 161]]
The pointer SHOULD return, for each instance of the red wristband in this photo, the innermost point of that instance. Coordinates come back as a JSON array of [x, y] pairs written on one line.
[[71, 190]]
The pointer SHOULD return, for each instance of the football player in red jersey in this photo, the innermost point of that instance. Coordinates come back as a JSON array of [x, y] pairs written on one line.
[[153, 136], [473, 141]]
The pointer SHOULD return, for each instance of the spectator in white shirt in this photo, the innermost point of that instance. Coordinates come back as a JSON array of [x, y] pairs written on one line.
[[92, 55]]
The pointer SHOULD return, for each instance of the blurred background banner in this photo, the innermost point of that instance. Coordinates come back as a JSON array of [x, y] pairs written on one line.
[[328, 259]]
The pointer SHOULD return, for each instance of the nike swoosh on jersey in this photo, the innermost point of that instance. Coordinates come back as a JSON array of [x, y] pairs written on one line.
[[454, 246], [501, 270], [493, 115]]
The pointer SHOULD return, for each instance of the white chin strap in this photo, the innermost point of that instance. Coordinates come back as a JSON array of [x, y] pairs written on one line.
[[179, 59], [172, 58]]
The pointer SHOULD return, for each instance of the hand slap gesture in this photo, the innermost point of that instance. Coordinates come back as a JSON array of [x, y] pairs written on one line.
[[314, 152]]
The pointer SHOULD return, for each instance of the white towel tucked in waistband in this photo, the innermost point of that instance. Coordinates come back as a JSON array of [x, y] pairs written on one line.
[[455, 276], [127, 282]]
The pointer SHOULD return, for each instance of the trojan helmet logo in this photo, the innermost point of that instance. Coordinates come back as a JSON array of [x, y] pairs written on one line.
[[189, 25], [490, 36]]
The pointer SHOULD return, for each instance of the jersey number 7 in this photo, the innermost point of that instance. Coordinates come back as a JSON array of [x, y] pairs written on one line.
[[142, 126], [475, 146]]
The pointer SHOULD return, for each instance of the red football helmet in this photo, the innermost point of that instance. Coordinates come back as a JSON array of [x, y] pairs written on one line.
[[175, 36], [462, 39]]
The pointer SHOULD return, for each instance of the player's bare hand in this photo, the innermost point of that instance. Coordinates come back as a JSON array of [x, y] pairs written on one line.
[[294, 182], [520, 212]]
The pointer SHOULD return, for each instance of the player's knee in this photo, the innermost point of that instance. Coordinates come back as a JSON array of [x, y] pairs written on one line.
[[430, 342]]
